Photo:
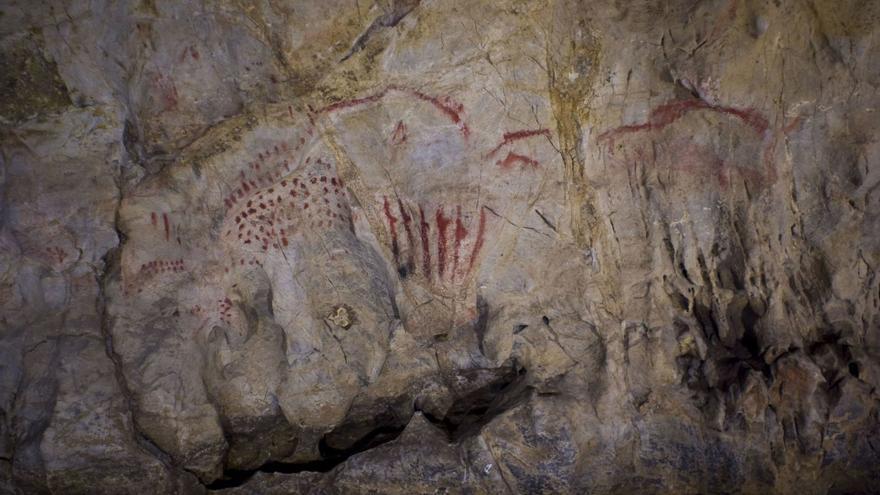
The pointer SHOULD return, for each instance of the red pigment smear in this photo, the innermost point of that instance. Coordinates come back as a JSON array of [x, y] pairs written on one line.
[[513, 158], [409, 234], [668, 113], [426, 248], [769, 172], [510, 137], [452, 112], [478, 244], [153, 218], [167, 229], [731, 12], [167, 91], [460, 234], [392, 221], [442, 223], [399, 134]]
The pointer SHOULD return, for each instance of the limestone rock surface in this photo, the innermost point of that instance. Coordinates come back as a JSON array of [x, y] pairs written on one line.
[[439, 246]]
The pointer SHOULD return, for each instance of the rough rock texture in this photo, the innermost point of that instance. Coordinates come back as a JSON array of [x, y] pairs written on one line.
[[444, 246]]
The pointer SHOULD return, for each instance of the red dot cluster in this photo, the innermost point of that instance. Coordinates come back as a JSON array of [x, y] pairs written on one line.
[[163, 266], [224, 308], [272, 215], [270, 165]]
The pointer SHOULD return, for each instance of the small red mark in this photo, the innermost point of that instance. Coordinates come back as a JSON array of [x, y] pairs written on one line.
[[167, 228], [510, 137], [460, 234], [409, 234], [153, 218], [442, 223], [392, 228], [478, 243], [167, 91], [513, 158], [450, 108], [426, 248], [56, 254], [399, 134]]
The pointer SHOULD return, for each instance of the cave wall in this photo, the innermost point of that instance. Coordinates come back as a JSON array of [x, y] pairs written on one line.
[[403, 246]]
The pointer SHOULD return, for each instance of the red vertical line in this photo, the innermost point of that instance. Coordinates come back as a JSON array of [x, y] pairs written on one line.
[[442, 223], [409, 234], [153, 218], [478, 244], [167, 228], [426, 247], [392, 221], [460, 234]]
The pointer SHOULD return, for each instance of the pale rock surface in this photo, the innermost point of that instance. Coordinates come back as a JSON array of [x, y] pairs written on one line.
[[439, 247]]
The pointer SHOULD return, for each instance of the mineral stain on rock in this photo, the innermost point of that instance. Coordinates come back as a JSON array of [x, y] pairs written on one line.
[[29, 82]]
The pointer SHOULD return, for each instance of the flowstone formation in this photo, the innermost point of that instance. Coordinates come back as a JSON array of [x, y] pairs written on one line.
[[429, 247]]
